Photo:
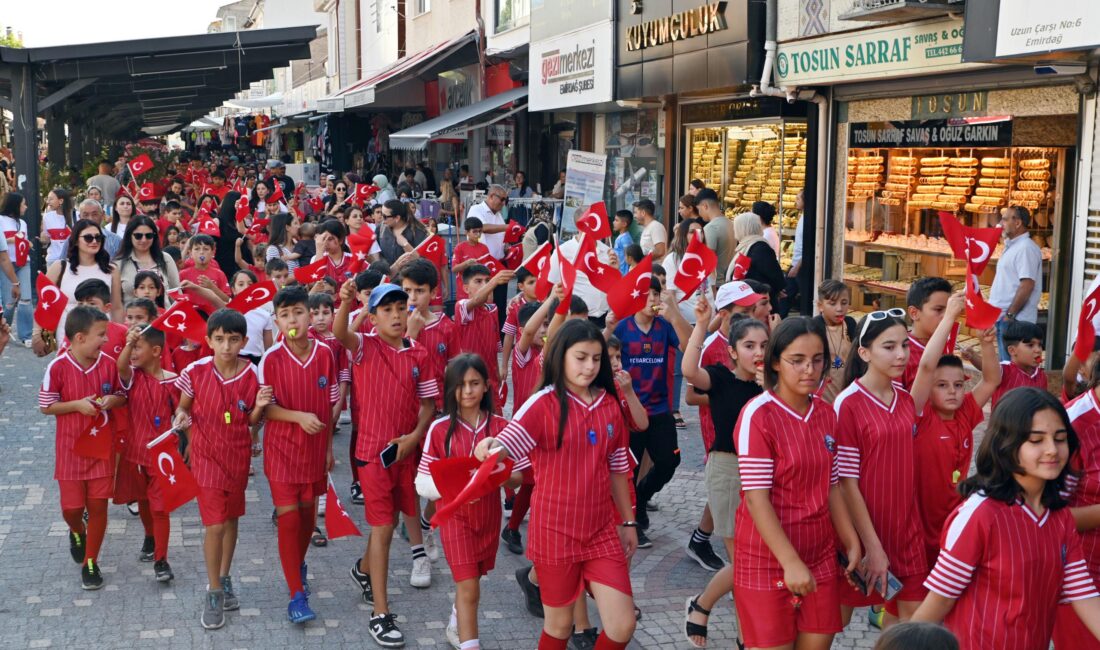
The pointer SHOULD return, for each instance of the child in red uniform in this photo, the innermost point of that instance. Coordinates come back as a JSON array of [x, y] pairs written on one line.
[[476, 317], [466, 254], [876, 421], [792, 509], [1010, 553], [469, 537], [302, 376], [78, 384], [1024, 342], [97, 295], [398, 415], [525, 293], [203, 274], [926, 302], [338, 263], [139, 313], [574, 432], [153, 393], [359, 322], [221, 399]]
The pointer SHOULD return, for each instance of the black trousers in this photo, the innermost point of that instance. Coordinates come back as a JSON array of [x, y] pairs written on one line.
[[500, 299], [664, 450]]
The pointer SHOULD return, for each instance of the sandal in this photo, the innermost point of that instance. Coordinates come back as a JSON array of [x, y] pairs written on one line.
[[694, 629], [679, 419], [318, 538], [637, 614]]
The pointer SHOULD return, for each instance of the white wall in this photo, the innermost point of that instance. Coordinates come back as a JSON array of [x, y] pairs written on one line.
[[790, 18], [447, 19], [291, 13], [378, 22]]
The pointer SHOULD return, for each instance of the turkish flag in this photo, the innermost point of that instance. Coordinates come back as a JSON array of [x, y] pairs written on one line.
[[147, 192], [182, 321], [538, 263], [253, 297], [130, 188], [362, 240], [140, 165], [462, 480], [979, 314], [210, 227], [300, 188], [96, 441], [973, 245], [490, 263], [594, 221], [257, 227], [238, 186], [313, 272], [276, 195], [433, 249], [174, 478], [316, 204], [337, 521], [59, 234], [514, 233], [243, 208], [602, 276], [741, 265], [51, 303], [513, 258], [22, 248], [568, 281], [699, 262], [631, 294], [1086, 332], [364, 192]]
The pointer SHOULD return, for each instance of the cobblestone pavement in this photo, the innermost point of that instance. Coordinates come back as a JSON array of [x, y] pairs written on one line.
[[45, 607]]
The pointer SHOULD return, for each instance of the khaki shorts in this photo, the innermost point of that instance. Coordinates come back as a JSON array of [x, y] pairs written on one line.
[[723, 481]]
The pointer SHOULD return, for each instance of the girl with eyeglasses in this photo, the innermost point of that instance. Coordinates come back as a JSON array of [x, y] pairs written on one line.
[[140, 251], [877, 423], [792, 510]]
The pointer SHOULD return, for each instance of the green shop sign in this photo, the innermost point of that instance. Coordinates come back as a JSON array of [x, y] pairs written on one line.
[[905, 49]]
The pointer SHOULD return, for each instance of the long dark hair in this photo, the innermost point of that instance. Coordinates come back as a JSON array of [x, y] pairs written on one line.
[[254, 198], [278, 230], [917, 636], [127, 247], [102, 257], [1009, 428], [114, 211], [66, 209], [782, 337], [452, 381], [142, 276], [856, 366], [11, 205], [553, 367]]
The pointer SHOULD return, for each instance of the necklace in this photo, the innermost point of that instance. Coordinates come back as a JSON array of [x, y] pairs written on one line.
[[838, 362]]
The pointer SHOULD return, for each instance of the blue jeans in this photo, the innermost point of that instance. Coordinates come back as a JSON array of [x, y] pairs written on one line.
[[1002, 325], [23, 315]]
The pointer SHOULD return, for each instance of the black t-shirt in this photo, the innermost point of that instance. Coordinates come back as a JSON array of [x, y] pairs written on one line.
[[307, 249], [728, 395]]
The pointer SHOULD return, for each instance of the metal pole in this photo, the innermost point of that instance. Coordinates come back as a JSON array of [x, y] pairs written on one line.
[[25, 112]]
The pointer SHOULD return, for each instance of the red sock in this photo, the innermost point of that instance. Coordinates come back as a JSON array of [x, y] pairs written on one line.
[[74, 517], [162, 525], [521, 505], [603, 642], [307, 521], [547, 642], [509, 493], [288, 524], [97, 527], [146, 515]]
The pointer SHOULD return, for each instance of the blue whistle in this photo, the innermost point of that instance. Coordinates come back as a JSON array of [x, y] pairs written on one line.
[[591, 436], [156, 421]]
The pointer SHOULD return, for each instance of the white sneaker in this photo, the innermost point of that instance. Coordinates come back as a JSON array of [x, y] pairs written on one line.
[[321, 505], [421, 575], [452, 634], [345, 417], [430, 546]]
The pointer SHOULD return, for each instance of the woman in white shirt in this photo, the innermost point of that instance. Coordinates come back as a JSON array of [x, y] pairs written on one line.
[[766, 212], [56, 223], [120, 215], [11, 223]]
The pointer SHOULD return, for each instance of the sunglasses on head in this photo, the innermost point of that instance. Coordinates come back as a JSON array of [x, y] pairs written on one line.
[[144, 235], [877, 316], [92, 238]]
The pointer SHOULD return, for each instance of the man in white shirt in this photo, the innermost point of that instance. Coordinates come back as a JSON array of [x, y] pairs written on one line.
[[595, 299], [654, 236], [794, 287], [492, 236], [1018, 283]]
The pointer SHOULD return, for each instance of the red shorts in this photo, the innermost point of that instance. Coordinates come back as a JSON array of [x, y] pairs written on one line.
[[130, 483], [769, 618], [291, 494], [912, 589], [217, 506], [562, 584], [1070, 633], [75, 494], [460, 572], [387, 491]]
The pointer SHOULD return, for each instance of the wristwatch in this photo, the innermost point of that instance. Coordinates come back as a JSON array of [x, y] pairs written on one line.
[[629, 524], [1010, 316]]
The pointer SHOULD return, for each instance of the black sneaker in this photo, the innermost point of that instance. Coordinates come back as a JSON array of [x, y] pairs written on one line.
[[703, 553], [76, 547], [642, 517], [383, 628], [585, 639], [508, 503], [356, 494], [363, 580], [643, 541], [148, 550], [162, 571], [530, 592], [90, 579], [512, 540]]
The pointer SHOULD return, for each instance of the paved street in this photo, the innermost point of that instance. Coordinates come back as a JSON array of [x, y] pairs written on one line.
[[45, 607]]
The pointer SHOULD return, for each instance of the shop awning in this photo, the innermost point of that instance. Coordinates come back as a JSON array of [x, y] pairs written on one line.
[[458, 120], [363, 92]]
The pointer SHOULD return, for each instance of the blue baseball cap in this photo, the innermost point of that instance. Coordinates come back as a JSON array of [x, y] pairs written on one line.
[[379, 293]]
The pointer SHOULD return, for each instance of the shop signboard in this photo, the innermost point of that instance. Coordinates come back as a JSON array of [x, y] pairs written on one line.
[[1059, 25], [574, 69], [585, 173], [957, 132], [459, 88], [903, 49], [961, 104]]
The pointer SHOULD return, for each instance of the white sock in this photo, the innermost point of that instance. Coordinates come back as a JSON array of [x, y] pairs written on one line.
[[454, 617], [472, 644]]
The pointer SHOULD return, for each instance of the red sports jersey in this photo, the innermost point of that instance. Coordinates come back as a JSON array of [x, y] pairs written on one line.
[[339, 355], [526, 372], [464, 250], [511, 319], [941, 458], [116, 340], [366, 327], [479, 332], [1084, 414], [194, 275], [916, 351], [220, 450], [875, 446], [438, 340], [66, 381], [1008, 569], [793, 456], [571, 513], [386, 414], [715, 352], [152, 404], [290, 454], [1013, 377], [181, 357], [339, 271]]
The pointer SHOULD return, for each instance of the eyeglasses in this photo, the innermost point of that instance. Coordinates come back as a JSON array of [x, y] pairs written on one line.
[[388, 216], [144, 235], [877, 316], [92, 238], [802, 365], [341, 189]]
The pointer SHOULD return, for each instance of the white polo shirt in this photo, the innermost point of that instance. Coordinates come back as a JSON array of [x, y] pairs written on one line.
[[493, 241], [1022, 260], [582, 288]]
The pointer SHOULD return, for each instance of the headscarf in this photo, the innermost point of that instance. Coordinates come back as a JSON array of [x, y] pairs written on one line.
[[381, 182], [748, 230]]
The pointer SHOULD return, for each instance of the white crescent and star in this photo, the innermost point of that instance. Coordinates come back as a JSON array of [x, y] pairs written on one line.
[[982, 245], [170, 472], [178, 325], [50, 294], [637, 283], [684, 266]]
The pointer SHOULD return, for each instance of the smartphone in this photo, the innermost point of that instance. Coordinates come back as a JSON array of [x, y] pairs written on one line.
[[389, 455], [893, 585]]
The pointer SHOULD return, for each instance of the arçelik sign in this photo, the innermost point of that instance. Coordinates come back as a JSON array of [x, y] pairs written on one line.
[[706, 19]]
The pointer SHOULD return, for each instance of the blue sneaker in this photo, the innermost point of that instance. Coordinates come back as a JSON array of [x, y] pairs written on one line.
[[298, 610], [305, 581]]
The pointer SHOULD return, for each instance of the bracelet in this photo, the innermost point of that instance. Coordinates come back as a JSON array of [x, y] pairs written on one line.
[[629, 524]]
